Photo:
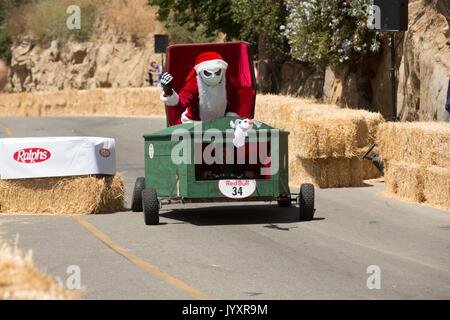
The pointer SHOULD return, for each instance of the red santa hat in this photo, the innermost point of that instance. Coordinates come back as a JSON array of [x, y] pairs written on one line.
[[209, 60], [205, 61]]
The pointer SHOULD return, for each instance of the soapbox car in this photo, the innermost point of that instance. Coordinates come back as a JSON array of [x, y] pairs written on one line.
[[178, 165]]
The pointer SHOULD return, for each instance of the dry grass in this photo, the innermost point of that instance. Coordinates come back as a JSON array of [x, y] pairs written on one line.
[[418, 183], [46, 19], [19, 279], [133, 17], [426, 143], [69, 195]]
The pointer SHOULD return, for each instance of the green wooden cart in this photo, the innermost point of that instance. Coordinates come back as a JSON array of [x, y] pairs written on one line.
[[199, 162]]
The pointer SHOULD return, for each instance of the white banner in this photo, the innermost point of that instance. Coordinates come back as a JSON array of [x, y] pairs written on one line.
[[22, 158]]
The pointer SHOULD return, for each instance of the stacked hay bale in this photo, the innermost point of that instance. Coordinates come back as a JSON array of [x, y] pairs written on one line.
[[417, 157], [107, 102], [325, 141], [80, 195], [19, 279]]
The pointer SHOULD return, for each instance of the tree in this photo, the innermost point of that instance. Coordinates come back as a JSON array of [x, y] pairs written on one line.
[[200, 19], [255, 21], [260, 22]]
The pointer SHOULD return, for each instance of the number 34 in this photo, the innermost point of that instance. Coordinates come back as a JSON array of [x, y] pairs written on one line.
[[237, 191]]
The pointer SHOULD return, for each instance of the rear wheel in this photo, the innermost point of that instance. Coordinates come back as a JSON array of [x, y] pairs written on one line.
[[150, 206], [136, 200], [305, 201]]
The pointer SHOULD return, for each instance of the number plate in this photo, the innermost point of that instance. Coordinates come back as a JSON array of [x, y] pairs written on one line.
[[237, 189]]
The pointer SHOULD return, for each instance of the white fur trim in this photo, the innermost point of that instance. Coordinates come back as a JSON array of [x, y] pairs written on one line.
[[170, 101], [232, 114], [211, 64], [185, 119]]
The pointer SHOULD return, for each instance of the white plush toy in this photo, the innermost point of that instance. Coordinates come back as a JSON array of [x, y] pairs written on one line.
[[241, 129]]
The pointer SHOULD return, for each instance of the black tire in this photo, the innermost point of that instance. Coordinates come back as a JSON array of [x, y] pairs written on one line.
[[306, 202], [150, 205], [284, 203], [136, 200]]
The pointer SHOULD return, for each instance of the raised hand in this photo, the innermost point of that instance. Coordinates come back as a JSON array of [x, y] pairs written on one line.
[[166, 81]]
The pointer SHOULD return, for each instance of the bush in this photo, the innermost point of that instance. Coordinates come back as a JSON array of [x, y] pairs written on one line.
[[47, 20], [260, 21], [329, 32]]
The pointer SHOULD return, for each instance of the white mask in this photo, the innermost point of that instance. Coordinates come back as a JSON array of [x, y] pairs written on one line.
[[212, 77]]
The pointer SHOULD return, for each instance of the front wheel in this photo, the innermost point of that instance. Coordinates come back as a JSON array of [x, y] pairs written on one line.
[[305, 201], [150, 206], [136, 200]]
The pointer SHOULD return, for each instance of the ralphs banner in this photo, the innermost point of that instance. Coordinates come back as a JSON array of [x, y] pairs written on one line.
[[22, 158]]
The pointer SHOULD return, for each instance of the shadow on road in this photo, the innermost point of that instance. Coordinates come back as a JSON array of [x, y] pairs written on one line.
[[237, 215]]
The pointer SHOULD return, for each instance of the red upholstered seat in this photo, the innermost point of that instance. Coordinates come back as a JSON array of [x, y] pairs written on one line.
[[181, 60]]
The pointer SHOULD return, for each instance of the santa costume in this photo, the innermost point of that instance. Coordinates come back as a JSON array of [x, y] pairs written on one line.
[[208, 93]]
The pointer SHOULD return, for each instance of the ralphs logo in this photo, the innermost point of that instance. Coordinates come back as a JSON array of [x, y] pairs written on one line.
[[32, 155]]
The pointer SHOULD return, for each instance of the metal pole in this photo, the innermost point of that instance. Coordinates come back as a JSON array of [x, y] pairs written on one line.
[[394, 77]]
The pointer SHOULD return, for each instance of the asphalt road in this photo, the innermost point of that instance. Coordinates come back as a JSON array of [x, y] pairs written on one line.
[[248, 251]]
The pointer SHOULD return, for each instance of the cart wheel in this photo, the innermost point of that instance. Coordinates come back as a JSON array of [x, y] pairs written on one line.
[[150, 205], [284, 203], [305, 201], [136, 201]]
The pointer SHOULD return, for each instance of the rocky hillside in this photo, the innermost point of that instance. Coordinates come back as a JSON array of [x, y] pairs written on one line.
[[111, 58]]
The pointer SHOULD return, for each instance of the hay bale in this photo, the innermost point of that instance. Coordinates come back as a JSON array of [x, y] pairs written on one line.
[[419, 183], [107, 102], [436, 186], [319, 131], [426, 143], [332, 172], [81, 195], [19, 279], [324, 140], [405, 180]]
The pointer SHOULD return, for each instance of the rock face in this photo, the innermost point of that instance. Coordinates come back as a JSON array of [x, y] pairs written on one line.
[[425, 66], [110, 59], [423, 63], [3, 75]]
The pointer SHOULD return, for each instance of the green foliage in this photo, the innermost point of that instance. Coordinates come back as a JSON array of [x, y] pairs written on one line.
[[260, 20], [187, 33], [329, 32], [196, 21]]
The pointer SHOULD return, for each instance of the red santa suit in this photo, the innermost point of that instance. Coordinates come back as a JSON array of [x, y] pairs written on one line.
[[208, 93]]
